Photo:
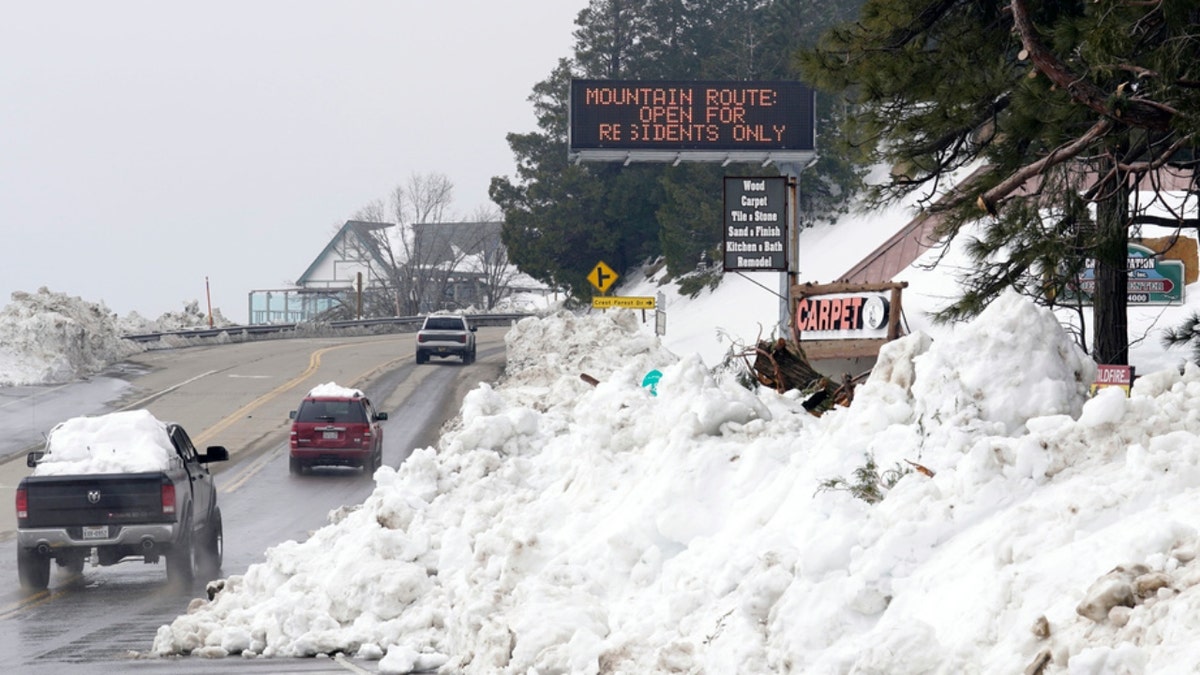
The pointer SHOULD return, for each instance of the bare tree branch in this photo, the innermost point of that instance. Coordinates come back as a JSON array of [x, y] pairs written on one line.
[[989, 199]]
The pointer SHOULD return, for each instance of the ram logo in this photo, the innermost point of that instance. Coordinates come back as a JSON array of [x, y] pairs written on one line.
[[93, 496]]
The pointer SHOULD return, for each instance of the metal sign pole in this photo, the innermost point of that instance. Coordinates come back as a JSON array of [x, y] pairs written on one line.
[[789, 277], [792, 277]]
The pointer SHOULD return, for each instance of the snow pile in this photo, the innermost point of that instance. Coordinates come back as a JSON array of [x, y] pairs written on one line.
[[334, 390], [48, 338], [1018, 380], [122, 442], [52, 338], [191, 316], [965, 515]]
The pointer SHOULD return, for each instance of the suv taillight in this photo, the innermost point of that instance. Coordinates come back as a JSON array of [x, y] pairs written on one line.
[[168, 498], [22, 503]]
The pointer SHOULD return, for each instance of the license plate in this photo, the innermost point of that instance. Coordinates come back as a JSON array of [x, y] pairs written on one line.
[[329, 435], [95, 532]]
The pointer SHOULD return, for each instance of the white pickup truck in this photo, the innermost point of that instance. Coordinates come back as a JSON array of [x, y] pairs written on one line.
[[446, 335]]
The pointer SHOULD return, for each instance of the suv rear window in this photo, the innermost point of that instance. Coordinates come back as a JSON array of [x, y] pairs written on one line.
[[346, 412], [443, 324]]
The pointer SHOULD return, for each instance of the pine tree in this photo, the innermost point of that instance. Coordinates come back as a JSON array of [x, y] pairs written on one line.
[[560, 218], [1068, 104]]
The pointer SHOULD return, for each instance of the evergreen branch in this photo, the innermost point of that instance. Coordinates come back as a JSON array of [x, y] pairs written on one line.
[[1135, 113]]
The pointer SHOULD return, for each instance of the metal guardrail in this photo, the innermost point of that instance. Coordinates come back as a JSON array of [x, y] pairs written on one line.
[[402, 323]]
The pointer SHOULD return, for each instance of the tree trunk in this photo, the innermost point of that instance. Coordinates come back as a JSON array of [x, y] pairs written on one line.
[[1110, 299]]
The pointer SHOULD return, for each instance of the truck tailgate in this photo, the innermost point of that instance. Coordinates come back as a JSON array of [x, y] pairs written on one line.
[[97, 499]]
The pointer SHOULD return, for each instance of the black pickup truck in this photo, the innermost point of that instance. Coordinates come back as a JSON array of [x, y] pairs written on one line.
[[82, 502]]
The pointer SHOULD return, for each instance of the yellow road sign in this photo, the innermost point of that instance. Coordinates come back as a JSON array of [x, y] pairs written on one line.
[[625, 302], [602, 277]]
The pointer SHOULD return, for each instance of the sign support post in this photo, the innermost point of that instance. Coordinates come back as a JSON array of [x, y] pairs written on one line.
[[791, 276]]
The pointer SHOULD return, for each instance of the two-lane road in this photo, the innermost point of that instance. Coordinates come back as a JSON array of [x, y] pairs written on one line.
[[238, 396]]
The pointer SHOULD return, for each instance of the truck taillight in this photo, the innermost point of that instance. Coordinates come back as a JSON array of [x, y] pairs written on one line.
[[168, 498], [22, 503]]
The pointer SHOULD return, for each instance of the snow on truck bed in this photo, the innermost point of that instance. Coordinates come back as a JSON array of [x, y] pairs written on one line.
[[122, 442]]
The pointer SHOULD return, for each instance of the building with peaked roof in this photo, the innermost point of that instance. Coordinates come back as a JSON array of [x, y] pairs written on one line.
[[353, 250], [449, 266], [454, 263], [441, 243], [352, 254]]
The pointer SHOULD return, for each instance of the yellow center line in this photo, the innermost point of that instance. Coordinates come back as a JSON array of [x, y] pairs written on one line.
[[25, 603], [248, 473], [314, 362]]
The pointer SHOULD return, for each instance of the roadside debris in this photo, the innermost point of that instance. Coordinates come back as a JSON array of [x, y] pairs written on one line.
[[782, 365]]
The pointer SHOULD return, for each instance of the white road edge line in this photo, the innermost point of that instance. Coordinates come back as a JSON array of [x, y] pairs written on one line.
[[169, 389]]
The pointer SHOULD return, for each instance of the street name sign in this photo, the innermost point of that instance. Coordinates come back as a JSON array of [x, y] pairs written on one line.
[[624, 302]]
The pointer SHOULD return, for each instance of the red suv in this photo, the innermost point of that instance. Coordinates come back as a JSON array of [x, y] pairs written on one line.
[[336, 426]]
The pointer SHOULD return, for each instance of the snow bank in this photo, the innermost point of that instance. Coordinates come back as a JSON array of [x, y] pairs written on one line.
[[121, 442], [48, 337], [965, 515], [1018, 379]]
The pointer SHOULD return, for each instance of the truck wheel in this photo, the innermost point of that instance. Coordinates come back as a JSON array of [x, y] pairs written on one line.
[[212, 554], [422, 357], [181, 559], [295, 467], [33, 569]]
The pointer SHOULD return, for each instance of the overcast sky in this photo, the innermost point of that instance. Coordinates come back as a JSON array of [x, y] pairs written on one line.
[[146, 146]]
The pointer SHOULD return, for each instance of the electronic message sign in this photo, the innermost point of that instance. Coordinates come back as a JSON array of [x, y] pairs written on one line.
[[691, 120]]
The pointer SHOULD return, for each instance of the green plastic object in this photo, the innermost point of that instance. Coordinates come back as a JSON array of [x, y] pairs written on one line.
[[650, 381]]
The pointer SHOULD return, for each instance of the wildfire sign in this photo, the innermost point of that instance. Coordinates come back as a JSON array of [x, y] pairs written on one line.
[[1113, 376]]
